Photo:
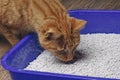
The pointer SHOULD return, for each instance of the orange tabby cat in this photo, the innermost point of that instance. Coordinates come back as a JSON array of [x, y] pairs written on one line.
[[57, 31]]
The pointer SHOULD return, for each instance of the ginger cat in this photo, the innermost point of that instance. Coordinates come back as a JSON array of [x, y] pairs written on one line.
[[57, 31]]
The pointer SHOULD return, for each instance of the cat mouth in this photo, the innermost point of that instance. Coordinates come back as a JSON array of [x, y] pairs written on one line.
[[65, 56], [76, 56]]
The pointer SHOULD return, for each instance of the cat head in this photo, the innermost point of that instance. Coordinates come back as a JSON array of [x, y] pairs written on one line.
[[61, 38]]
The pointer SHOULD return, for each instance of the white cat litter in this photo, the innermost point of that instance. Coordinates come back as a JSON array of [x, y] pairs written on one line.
[[100, 57]]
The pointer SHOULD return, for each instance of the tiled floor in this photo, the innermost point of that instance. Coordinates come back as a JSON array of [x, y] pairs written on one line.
[[69, 4]]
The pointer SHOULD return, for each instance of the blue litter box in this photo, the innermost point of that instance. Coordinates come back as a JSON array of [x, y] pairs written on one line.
[[16, 59]]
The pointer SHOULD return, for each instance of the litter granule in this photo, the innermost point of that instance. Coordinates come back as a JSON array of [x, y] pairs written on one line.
[[100, 57]]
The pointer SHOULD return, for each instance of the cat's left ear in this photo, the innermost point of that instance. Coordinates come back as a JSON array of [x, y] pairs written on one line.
[[77, 24]]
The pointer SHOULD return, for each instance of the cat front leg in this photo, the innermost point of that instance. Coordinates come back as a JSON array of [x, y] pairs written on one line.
[[13, 40], [8, 35]]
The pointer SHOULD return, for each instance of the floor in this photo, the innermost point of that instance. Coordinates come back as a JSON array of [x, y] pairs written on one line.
[[70, 5], [92, 4]]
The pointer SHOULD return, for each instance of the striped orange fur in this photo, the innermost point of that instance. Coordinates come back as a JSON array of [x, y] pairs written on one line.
[[57, 31]]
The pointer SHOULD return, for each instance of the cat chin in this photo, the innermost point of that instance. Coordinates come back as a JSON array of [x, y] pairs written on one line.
[[70, 61], [65, 60]]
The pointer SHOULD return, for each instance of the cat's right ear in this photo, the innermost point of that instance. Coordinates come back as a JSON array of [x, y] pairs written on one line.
[[45, 25], [48, 29], [77, 24]]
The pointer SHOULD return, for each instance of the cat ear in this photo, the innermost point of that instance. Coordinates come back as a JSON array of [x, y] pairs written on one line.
[[50, 36], [49, 29], [77, 24], [47, 25]]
